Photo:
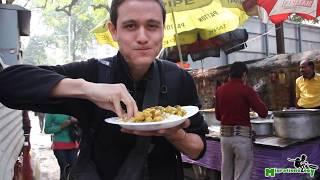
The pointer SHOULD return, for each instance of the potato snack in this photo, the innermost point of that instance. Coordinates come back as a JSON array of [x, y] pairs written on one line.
[[157, 113]]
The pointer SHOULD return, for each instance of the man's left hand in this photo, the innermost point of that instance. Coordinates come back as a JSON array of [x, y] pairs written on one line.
[[170, 133]]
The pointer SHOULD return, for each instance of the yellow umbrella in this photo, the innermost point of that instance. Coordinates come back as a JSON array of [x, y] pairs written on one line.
[[191, 20], [102, 35], [204, 19]]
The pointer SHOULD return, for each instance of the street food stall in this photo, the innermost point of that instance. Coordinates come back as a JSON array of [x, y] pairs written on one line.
[[286, 137], [269, 153]]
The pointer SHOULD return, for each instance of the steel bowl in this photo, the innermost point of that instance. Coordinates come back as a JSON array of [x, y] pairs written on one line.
[[297, 124], [262, 127]]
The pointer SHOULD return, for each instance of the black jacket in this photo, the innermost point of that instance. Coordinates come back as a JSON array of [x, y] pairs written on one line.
[[28, 87]]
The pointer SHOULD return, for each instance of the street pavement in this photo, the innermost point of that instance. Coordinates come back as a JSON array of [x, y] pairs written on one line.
[[41, 152]]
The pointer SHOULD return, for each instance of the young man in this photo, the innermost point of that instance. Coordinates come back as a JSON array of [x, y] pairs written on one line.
[[79, 89], [308, 86], [234, 100]]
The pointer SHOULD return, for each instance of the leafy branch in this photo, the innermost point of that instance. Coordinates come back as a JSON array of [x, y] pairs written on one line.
[[68, 8], [101, 6]]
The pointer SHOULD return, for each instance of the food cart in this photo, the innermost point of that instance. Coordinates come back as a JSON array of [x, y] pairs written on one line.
[[280, 143]]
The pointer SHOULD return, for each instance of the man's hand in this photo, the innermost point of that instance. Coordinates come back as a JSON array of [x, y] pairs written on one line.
[[174, 133], [110, 96], [73, 120], [68, 122], [106, 96], [189, 144]]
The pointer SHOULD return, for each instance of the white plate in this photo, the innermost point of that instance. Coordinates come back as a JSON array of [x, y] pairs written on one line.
[[170, 121], [214, 128]]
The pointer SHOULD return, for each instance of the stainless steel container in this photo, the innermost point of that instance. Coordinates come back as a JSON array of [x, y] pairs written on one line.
[[262, 127], [297, 124]]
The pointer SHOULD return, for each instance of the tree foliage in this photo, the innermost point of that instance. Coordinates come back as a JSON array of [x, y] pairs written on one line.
[[70, 22], [35, 52]]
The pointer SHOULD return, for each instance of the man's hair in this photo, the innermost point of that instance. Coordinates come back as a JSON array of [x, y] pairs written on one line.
[[237, 69], [116, 4], [311, 64]]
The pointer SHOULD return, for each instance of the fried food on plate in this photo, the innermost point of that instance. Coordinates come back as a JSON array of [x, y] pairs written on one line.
[[157, 113]]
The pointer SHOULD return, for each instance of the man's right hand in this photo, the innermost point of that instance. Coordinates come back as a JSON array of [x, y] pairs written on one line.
[[106, 96], [110, 96]]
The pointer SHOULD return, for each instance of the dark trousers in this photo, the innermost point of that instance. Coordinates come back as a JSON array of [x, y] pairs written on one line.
[[65, 158]]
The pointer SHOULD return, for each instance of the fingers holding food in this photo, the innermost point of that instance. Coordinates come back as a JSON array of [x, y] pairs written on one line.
[[157, 113]]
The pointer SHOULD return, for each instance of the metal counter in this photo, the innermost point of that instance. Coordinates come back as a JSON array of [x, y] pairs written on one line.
[[273, 141]]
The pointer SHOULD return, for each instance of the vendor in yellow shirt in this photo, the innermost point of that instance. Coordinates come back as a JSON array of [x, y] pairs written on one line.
[[308, 86]]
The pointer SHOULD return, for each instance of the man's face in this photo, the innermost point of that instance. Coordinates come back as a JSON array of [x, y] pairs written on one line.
[[305, 70], [139, 31]]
